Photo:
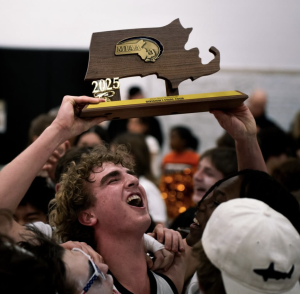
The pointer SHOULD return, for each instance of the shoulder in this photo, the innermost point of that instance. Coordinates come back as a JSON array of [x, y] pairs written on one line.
[[162, 283]]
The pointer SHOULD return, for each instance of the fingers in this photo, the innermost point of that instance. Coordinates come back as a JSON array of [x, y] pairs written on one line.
[[159, 232], [171, 239], [149, 261], [82, 100], [163, 260], [168, 260], [159, 259]]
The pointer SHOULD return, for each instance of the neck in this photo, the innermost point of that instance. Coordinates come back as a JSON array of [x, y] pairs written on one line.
[[125, 256]]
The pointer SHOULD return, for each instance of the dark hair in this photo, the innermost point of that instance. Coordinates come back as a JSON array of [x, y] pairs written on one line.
[[209, 277], [226, 141], [134, 91], [32, 266], [185, 134], [273, 142], [223, 159], [73, 154], [38, 125], [99, 131], [137, 147], [38, 195], [259, 185], [288, 174]]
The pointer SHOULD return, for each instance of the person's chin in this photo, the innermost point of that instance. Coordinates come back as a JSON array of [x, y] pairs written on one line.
[[197, 197], [194, 236]]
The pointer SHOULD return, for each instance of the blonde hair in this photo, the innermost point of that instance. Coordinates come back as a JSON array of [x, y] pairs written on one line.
[[296, 126], [75, 196]]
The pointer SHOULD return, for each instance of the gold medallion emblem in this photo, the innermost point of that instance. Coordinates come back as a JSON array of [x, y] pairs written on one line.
[[149, 49]]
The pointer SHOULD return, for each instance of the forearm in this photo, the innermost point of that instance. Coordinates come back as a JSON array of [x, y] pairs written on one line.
[[249, 155], [17, 176]]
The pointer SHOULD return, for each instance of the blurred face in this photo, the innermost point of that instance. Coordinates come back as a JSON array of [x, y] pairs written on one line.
[[206, 176], [89, 140], [26, 214], [80, 270], [121, 202], [229, 189], [176, 142], [135, 126]]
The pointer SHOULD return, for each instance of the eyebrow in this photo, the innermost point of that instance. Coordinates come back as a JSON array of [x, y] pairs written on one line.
[[115, 173]]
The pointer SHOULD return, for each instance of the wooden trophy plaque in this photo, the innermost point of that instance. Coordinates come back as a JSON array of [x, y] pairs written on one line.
[[142, 52]]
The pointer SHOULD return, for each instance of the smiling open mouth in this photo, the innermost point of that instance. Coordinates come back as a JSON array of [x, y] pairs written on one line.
[[135, 200]]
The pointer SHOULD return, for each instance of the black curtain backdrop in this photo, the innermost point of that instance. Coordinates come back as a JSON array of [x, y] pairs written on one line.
[[33, 82]]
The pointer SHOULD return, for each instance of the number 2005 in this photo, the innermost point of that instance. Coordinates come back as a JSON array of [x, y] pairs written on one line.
[[106, 85]]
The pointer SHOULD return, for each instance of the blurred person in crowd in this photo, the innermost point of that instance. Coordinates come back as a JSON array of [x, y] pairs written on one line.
[[257, 103], [288, 174], [92, 137], [142, 126], [214, 165], [248, 247], [225, 140], [34, 205], [117, 127], [138, 148], [178, 168], [275, 146], [37, 127], [295, 133]]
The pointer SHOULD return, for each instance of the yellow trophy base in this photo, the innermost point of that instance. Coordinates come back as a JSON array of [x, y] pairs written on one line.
[[168, 105]]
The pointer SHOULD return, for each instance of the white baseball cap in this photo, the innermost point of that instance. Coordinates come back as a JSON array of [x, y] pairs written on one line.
[[256, 248]]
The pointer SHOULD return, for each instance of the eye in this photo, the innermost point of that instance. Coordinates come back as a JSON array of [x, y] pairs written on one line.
[[217, 203], [112, 180]]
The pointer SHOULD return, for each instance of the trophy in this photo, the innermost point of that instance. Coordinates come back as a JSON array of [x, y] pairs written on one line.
[[140, 52]]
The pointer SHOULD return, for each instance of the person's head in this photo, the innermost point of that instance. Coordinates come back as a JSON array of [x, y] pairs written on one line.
[[138, 125], [214, 165], [94, 136], [275, 146], [138, 148], [245, 184], [135, 92], [101, 193], [38, 126], [254, 248], [288, 174], [40, 265], [295, 129], [257, 103], [34, 205], [74, 154], [181, 138]]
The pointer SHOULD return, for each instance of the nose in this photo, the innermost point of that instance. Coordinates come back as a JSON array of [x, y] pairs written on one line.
[[131, 181], [198, 175]]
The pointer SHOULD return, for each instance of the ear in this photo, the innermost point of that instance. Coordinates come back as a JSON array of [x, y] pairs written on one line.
[[57, 185], [67, 145], [87, 218]]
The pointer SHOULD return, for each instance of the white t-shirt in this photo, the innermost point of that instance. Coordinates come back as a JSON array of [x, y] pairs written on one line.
[[157, 206], [193, 286]]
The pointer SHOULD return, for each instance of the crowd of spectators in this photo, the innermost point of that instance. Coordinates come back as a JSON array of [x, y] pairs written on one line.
[[99, 209]]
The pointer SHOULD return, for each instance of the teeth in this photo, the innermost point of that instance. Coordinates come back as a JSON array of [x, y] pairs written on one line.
[[196, 221], [133, 197]]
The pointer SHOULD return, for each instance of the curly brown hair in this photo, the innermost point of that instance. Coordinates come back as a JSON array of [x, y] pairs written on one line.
[[75, 196]]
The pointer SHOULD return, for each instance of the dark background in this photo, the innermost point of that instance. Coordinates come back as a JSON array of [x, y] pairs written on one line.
[[33, 82]]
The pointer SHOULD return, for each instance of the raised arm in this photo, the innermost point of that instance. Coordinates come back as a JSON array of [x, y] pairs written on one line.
[[17, 176], [240, 125]]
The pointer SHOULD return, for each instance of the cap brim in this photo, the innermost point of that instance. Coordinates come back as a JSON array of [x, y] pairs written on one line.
[[232, 287]]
